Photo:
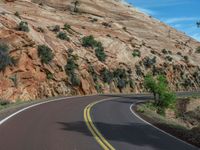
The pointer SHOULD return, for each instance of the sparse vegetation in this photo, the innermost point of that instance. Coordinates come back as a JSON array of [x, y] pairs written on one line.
[[121, 78], [5, 59], [23, 26], [63, 36], [45, 53], [67, 27], [76, 4], [98, 88], [198, 49], [136, 53], [89, 41], [169, 58], [17, 14], [149, 62], [56, 28], [107, 75], [70, 68], [93, 73]]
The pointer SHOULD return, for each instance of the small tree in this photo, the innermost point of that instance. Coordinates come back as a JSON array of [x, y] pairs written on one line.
[[45, 53], [151, 86], [163, 97]]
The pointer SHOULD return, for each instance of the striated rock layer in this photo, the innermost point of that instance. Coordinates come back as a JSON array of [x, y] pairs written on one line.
[[120, 28]]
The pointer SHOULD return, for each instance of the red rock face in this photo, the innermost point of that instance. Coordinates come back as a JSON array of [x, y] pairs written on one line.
[[121, 31]]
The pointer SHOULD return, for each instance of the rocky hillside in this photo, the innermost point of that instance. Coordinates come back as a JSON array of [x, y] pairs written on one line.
[[66, 47]]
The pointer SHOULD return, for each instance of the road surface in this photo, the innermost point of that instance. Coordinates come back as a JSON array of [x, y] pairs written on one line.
[[64, 125]]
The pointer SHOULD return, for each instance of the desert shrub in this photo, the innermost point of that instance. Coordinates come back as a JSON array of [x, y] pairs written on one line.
[[17, 14], [56, 28], [40, 29], [93, 73], [121, 78], [67, 27], [5, 59], [49, 75], [63, 36], [136, 53], [100, 54], [14, 80], [89, 41], [198, 49], [186, 58], [106, 24], [169, 58], [4, 102], [107, 75], [70, 68], [45, 53], [179, 53], [75, 81], [98, 88], [23, 26], [149, 62], [139, 71], [164, 51]]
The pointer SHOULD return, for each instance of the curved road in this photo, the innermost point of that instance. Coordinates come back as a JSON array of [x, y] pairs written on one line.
[[60, 125]]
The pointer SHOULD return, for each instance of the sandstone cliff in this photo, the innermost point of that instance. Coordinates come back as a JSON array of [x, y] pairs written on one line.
[[134, 44]]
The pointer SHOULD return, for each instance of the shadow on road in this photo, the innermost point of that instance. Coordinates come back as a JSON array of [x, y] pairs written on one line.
[[137, 134]]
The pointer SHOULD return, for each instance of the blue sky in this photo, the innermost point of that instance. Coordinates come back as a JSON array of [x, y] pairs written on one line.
[[180, 14]]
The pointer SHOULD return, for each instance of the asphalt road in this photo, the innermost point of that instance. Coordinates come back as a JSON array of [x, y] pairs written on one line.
[[60, 125]]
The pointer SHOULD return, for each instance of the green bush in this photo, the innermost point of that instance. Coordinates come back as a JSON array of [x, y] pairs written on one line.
[[23, 26], [45, 53], [163, 97], [89, 41], [98, 88], [107, 76], [75, 81], [63, 36], [100, 54], [136, 53], [70, 68], [67, 27], [5, 59], [198, 49], [121, 78]]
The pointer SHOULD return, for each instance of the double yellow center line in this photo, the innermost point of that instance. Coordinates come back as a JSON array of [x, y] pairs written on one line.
[[96, 134]]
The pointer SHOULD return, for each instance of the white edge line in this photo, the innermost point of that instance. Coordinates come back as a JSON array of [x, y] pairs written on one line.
[[34, 105], [134, 113]]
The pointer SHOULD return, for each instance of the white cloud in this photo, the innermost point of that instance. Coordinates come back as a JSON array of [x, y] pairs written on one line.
[[196, 36], [146, 11], [181, 19]]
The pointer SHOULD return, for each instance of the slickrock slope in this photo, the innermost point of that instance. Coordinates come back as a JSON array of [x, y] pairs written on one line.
[[123, 32]]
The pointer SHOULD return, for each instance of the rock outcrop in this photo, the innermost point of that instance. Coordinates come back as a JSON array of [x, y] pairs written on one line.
[[134, 43]]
